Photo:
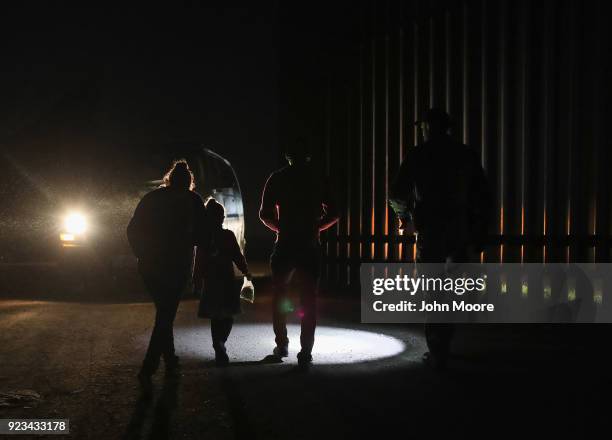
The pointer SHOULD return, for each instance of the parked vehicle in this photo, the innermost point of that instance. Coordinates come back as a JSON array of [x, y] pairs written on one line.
[[71, 207]]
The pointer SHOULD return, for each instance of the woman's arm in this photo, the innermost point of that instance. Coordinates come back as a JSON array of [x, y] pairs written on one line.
[[198, 268]]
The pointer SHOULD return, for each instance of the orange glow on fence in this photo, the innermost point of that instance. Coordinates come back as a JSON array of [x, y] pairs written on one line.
[[386, 230], [372, 231], [400, 247]]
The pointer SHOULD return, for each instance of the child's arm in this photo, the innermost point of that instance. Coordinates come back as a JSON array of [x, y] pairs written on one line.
[[238, 257]]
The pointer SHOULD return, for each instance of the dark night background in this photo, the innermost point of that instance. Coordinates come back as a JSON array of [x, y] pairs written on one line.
[[527, 83], [95, 77]]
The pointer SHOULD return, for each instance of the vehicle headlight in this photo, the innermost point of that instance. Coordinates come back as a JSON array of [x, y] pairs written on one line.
[[75, 223]]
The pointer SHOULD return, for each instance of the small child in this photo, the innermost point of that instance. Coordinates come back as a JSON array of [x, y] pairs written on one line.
[[214, 271]]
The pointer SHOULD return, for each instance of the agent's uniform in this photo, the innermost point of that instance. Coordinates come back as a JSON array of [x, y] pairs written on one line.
[[442, 190], [301, 200], [214, 268], [167, 224]]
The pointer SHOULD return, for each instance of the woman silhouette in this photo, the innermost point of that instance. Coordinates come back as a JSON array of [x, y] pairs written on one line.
[[167, 224]]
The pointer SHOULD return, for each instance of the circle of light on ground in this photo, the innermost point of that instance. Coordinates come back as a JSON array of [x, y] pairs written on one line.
[[252, 342]]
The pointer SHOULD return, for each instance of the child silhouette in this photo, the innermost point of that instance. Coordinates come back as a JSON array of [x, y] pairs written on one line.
[[214, 276]]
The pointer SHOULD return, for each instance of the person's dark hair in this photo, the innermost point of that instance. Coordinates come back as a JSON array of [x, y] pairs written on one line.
[[298, 151], [439, 121], [179, 176], [215, 211]]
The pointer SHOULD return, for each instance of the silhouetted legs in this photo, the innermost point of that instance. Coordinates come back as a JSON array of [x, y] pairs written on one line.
[[166, 294], [220, 329], [437, 249], [439, 337], [281, 273], [307, 283], [298, 268]]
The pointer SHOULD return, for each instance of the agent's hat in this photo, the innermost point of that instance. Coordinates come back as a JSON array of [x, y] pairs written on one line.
[[436, 116], [299, 149]]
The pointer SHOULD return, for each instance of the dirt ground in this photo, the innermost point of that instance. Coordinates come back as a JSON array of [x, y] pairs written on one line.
[[78, 360]]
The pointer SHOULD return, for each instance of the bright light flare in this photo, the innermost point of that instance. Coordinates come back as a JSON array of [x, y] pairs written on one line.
[[67, 237], [75, 223]]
